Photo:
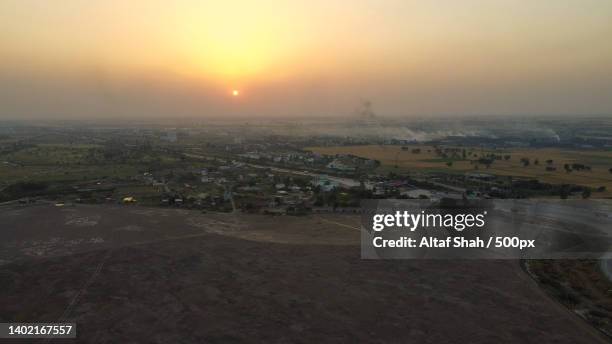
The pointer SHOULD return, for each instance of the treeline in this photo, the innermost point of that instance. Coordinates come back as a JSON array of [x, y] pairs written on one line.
[[534, 188], [26, 189]]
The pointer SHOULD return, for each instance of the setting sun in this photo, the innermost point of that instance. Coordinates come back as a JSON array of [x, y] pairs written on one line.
[[276, 57]]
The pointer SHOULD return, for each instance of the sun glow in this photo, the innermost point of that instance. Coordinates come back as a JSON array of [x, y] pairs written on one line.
[[302, 57]]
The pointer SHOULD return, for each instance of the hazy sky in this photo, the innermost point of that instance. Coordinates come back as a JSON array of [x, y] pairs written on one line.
[[117, 59]]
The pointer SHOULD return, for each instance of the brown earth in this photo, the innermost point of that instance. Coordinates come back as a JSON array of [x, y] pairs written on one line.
[[132, 275]]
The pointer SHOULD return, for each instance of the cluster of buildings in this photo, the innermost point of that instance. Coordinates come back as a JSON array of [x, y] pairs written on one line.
[[340, 164]]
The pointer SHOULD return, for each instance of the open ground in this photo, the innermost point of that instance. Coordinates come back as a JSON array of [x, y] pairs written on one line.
[[174, 275]]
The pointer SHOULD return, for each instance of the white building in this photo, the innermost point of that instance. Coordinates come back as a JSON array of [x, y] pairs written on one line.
[[417, 193], [340, 166]]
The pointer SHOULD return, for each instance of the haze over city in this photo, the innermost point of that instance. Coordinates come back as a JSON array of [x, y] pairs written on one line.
[[289, 59]]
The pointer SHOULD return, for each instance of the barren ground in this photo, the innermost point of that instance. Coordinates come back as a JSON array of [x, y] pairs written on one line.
[[132, 274]]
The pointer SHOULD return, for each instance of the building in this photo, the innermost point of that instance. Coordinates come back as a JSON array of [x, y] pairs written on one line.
[[480, 176], [417, 193], [324, 183], [340, 166], [170, 136]]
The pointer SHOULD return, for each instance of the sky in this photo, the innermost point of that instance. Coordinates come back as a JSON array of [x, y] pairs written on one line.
[[85, 59]]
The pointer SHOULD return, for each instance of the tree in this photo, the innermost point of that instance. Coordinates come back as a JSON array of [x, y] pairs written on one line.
[[564, 192], [319, 201], [586, 193]]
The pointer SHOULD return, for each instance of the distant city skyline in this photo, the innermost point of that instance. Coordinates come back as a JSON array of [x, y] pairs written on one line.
[[80, 59]]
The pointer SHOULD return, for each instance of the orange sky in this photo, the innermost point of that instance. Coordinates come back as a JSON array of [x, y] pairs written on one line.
[[84, 59]]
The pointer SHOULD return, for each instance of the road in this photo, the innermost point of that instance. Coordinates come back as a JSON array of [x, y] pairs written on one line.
[[344, 182]]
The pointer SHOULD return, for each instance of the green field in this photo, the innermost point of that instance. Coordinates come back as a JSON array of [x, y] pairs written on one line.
[[66, 162]]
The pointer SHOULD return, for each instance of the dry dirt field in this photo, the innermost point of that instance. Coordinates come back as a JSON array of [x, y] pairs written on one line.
[[600, 161], [135, 274]]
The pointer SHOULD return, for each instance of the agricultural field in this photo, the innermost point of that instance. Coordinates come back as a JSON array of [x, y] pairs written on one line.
[[423, 157], [75, 162], [10, 174], [44, 154]]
